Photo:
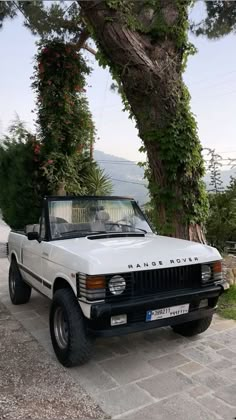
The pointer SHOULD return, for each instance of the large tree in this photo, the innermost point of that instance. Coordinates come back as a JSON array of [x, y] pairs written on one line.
[[145, 45]]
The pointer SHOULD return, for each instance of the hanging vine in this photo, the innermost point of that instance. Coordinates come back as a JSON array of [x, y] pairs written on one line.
[[66, 130]]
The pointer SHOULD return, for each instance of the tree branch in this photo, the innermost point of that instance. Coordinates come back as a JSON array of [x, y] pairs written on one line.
[[90, 49], [82, 39], [82, 42]]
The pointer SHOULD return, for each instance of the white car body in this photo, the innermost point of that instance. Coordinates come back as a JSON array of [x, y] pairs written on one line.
[[64, 258], [106, 273]]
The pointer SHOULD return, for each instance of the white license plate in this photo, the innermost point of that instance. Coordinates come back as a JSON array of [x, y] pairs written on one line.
[[167, 312]]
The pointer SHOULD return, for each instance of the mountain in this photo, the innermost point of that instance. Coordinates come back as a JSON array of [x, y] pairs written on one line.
[[127, 177]]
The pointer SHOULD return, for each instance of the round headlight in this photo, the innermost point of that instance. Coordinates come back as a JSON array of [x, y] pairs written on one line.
[[117, 285], [206, 273]]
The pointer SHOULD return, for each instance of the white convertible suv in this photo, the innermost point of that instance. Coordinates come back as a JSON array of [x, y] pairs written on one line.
[[107, 273]]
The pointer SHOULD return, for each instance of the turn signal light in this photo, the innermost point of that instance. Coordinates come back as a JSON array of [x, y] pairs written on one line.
[[217, 267], [91, 288], [95, 282], [217, 270]]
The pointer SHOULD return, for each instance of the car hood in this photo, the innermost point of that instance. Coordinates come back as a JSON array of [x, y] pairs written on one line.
[[118, 254]]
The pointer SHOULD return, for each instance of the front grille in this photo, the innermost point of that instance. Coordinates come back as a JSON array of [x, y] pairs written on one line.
[[166, 279], [148, 282]]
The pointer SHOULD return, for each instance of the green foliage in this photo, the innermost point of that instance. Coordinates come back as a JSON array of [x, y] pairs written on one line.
[[67, 171], [227, 304], [78, 176], [59, 159], [214, 167], [21, 182], [59, 81], [97, 182], [46, 19], [180, 151], [220, 19], [221, 224], [24, 179], [7, 10], [65, 123], [176, 143]]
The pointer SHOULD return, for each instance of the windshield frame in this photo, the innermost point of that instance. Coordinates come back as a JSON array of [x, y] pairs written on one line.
[[48, 199]]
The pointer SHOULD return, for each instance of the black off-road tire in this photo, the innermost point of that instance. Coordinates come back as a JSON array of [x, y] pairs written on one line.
[[19, 291], [192, 328], [76, 340]]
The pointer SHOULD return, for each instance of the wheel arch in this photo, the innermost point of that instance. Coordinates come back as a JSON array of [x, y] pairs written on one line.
[[62, 282], [13, 256]]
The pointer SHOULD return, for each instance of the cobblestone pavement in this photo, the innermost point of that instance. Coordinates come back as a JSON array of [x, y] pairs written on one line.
[[154, 375], [32, 386]]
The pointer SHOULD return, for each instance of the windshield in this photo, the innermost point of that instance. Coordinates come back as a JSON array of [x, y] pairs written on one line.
[[82, 216]]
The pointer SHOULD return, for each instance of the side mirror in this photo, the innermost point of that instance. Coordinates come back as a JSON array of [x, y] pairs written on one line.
[[33, 236]]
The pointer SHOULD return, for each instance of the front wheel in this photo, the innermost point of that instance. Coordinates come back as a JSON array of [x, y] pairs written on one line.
[[19, 291], [189, 329], [70, 340]]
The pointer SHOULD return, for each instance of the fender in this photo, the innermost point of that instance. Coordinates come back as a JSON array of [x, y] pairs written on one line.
[[13, 253], [67, 279]]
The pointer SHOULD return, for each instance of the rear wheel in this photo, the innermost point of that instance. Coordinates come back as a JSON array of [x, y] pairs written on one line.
[[71, 342], [19, 291], [189, 329]]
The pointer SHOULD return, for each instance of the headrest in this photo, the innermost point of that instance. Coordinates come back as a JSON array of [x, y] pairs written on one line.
[[102, 215]]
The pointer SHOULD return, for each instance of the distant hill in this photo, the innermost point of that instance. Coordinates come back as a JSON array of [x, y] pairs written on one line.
[[127, 177]]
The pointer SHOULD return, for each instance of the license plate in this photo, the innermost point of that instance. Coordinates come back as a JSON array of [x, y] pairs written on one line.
[[167, 312]]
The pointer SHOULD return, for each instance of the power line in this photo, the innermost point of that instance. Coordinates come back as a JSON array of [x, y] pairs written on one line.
[[215, 96], [228, 151], [191, 82], [117, 162], [229, 82], [120, 162], [128, 182], [219, 75]]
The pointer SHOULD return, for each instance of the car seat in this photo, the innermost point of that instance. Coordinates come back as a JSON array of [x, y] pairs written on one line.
[[101, 218]]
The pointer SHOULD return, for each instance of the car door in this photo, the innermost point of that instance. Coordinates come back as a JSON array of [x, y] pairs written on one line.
[[31, 257]]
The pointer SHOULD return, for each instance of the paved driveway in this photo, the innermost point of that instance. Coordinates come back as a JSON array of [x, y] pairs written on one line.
[[153, 375]]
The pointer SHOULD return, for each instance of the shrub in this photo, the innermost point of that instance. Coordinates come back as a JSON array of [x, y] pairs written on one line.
[[21, 182], [221, 224]]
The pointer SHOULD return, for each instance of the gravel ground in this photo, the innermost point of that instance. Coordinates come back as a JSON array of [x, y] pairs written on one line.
[[32, 385]]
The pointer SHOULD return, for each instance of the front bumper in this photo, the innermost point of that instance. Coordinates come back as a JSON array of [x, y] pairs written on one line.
[[136, 309]]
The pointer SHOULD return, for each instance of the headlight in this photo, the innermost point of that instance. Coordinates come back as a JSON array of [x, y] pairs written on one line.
[[206, 273], [117, 285]]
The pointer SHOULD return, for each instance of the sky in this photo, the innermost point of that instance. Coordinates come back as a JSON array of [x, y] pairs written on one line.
[[210, 77]]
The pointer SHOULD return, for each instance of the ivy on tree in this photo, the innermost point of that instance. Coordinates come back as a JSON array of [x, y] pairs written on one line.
[[66, 129], [146, 47], [58, 160]]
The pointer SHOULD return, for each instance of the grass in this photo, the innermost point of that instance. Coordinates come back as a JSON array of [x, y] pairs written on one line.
[[227, 304]]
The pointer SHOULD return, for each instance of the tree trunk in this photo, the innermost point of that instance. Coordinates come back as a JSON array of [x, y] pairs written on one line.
[[60, 189], [144, 44]]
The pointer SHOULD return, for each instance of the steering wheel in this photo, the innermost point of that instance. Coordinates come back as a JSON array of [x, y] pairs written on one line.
[[119, 224]]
